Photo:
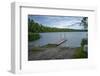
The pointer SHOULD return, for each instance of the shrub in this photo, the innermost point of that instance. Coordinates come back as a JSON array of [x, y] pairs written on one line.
[[80, 53], [33, 36], [84, 42]]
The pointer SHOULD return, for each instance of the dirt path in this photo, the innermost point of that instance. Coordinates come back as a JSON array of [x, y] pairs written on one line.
[[52, 53]]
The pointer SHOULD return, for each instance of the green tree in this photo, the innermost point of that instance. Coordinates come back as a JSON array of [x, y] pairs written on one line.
[[84, 22]]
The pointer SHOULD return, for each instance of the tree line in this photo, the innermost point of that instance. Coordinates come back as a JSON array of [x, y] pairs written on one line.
[[38, 28]]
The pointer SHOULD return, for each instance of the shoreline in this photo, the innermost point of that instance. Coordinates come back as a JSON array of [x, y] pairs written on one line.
[[51, 53]]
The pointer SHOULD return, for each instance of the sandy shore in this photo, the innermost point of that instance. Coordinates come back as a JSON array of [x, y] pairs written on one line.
[[52, 53]]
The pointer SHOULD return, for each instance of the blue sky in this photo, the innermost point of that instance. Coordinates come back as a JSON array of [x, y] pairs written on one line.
[[58, 21]]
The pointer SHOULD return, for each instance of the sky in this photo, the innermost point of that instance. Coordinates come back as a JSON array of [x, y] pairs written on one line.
[[71, 22]]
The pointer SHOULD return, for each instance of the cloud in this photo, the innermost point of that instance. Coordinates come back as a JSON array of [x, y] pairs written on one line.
[[57, 21]]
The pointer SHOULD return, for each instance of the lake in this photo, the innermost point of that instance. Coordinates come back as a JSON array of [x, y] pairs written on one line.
[[73, 39]]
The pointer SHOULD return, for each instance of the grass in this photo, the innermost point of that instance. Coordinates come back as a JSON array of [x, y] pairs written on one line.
[[50, 45], [80, 53], [37, 49], [43, 48]]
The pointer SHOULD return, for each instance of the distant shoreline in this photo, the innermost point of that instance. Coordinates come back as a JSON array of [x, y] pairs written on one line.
[[64, 31], [39, 28]]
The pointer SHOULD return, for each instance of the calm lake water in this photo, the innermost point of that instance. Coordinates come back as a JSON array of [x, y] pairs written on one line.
[[73, 39]]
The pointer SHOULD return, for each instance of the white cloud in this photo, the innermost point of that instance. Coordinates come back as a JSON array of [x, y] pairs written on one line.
[[59, 21]]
